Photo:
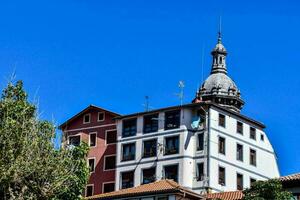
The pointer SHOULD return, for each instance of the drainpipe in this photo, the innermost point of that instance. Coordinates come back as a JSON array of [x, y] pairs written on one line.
[[208, 147]]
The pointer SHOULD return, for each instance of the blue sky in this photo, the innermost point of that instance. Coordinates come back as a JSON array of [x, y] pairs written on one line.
[[72, 53]]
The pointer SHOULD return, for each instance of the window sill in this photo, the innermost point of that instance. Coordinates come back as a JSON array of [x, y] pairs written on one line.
[[169, 154], [127, 160]]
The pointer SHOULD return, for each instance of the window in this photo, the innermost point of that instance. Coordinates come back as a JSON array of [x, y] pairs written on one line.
[[109, 162], [222, 120], [171, 172], [252, 133], [92, 139], [91, 164], [101, 116], [171, 145], [74, 140], [222, 176], [150, 147], [129, 127], [172, 119], [163, 198], [150, 123], [239, 127], [200, 145], [87, 118], [128, 152], [149, 175], [239, 152], [127, 179], [200, 167], [239, 181], [252, 157], [89, 190], [262, 137], [111, 136], [222, 145], [108, 187], [252, 181]]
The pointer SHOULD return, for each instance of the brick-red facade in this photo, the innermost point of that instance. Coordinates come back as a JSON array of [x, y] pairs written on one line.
[[76, 126]]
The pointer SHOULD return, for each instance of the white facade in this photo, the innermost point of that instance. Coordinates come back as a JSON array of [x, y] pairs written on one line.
[[188, 156]]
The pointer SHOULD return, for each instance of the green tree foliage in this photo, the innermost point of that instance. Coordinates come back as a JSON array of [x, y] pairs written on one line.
[[30, 167], [267, 190]]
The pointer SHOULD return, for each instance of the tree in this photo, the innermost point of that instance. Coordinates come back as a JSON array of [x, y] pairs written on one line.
[[267, 190], [30, 167]]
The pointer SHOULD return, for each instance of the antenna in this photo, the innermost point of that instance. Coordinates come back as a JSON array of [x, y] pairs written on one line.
[[220, 29], [146, 105], [181, 94], [202, 64]]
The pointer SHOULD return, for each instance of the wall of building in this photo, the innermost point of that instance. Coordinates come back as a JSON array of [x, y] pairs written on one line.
[[184, 158], [188, 156], [266, 166], [77, 127]]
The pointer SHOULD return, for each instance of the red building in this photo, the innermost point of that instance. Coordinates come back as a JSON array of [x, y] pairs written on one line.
[[96, 127]]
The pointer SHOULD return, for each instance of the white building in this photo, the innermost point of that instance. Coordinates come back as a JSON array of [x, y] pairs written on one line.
[[204, 146]]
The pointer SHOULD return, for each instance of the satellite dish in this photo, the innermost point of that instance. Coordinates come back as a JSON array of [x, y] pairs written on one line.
[[195, 122]]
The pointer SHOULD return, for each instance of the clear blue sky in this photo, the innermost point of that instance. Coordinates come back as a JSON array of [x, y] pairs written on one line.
[[72, 53]]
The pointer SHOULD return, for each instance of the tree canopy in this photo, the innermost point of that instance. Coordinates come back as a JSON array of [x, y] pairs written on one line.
[[267, 190], [30, 166]]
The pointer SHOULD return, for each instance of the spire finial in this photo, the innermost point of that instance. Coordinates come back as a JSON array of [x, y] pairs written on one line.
[[220, 28]]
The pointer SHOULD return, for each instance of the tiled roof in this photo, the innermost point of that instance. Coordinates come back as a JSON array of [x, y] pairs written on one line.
[[234, 195], [84, 110], [292, 177], [158, 187]]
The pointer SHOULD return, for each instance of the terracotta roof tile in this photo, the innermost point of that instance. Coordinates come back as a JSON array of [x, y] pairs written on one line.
[[162, 186], [292, 177], [234, 195]]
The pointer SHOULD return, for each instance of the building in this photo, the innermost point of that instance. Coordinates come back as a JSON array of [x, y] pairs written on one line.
[[206, 146], [97, 128], [160, 190], [291, 183]]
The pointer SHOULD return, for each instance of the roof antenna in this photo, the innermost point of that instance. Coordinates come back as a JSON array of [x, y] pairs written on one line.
[[146, 104], [202, 64], [220, 29], [181, 94]]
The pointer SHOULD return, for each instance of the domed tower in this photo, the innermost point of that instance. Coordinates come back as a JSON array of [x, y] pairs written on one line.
[[218, 87]]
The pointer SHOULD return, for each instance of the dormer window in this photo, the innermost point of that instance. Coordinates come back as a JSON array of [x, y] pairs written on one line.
[[87, 118], [101, 116]]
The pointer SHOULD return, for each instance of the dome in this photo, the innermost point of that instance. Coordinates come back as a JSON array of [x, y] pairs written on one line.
[[219, 48], [219, 88], [219, 84]]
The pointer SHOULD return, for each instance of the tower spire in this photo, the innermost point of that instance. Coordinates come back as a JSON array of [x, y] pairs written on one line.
[[220, 30]]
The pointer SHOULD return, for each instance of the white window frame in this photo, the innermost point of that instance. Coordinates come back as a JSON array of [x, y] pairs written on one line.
[[197, 142], [109, 182], [142, 174], [90, 139], [92, 158], [103, 116], [121, 156], [121, 178], [110, 130], [243, 182], [255, 157], [165, 143], [77, 134], [242, 152], [198, 173], [168, 165], [221, 166], [219, 136], [90, 116], [105, 170], [86, 189]]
